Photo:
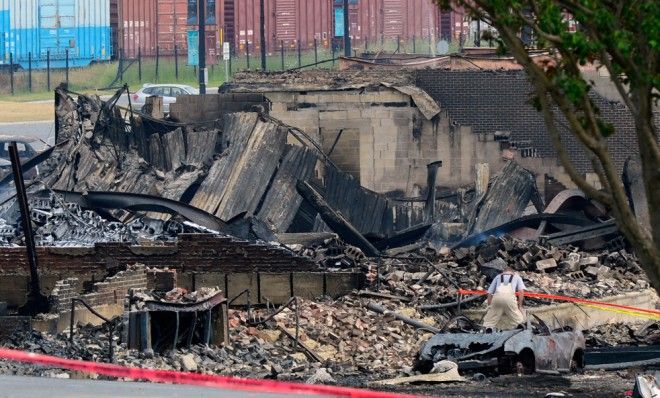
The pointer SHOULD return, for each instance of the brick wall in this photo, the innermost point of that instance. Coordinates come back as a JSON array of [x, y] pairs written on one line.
[[490, 101], [386, 142], [192, 252], [111, 291]]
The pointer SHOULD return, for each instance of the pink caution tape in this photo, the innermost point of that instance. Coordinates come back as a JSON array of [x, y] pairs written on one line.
[[195, 379]]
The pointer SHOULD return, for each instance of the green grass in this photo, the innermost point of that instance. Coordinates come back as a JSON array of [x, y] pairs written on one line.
[[99, 76]]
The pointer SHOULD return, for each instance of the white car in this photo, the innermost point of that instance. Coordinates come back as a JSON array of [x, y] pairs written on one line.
[[169, 92]]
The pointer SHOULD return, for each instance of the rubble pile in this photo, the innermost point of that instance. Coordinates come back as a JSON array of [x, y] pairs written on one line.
[[350, 340], [331, 254], [60, 223], [621, 334], [338, 342], [328, 77], [434, 278]]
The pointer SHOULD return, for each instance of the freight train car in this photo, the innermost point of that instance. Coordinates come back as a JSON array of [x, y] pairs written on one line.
[[374, 20], [287, 22], [145, 27], [290, 22], [36, 28]]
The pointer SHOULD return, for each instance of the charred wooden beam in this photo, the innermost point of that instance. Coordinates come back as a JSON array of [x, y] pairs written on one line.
[[408, 321], [335, 220]]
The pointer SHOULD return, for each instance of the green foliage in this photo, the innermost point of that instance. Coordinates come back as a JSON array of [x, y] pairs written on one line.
[[627, 33]]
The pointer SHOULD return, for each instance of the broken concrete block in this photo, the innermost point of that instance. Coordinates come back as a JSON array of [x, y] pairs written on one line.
[[547, 264], [298, 357], [597, 271], [188, 362], [571, 263], [270, 336], [322, 376], [591, 260], [493, 268]]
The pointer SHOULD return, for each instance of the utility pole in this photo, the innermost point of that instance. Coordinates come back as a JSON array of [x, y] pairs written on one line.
[[347, 39], [202, 45], [262, 15]]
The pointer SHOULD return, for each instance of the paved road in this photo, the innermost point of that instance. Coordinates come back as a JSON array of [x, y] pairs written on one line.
[[39, 387], [42, 130]]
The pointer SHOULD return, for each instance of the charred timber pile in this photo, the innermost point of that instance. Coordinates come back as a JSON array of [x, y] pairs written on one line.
[[243, 169]]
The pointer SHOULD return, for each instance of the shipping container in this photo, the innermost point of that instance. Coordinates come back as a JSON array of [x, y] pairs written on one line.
[[145, 26], [39, 27], [287, 22]]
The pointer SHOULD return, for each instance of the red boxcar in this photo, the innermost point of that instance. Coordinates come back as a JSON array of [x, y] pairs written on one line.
[[391, 19], [144, 25], [287, 22]]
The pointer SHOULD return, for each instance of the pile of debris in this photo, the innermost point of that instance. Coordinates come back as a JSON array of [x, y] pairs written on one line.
[[60, 223], [320, 77], [342, 336], [621, 334], [337, 342], [435, 278]]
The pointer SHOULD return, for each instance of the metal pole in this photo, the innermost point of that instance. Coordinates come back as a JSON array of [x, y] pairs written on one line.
[[299, 55], [366, 44], [48, 70], [230, 58], [121, 65], [157, 61], [347, 39], [176, 62], [111, 350], [11, 72], [247, 52], [282, 53], [67, 67], [202, 46], [398, 44], [316, 52], [36, 302], [140, 64], [262, 15], [72, 320], [30, 71]]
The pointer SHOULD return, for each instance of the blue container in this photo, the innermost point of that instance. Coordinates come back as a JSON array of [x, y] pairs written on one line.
[[38, 26]]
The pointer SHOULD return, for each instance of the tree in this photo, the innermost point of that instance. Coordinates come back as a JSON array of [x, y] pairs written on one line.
[[624, 38]]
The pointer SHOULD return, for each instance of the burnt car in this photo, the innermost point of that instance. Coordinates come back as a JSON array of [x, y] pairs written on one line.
[[533, 348], [25, 152]]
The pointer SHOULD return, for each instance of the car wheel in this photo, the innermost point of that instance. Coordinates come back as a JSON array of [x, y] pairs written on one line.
[[577, 362], [525, 362]]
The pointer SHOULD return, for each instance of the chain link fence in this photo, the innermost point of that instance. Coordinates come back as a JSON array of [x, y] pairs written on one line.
[[17, 80]]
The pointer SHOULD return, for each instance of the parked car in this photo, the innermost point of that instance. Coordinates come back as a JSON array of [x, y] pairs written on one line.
[[169, 92], [535, 348], [25, 152]]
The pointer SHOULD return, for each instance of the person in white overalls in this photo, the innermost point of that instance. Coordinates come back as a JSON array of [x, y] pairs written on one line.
[[505, 311]]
